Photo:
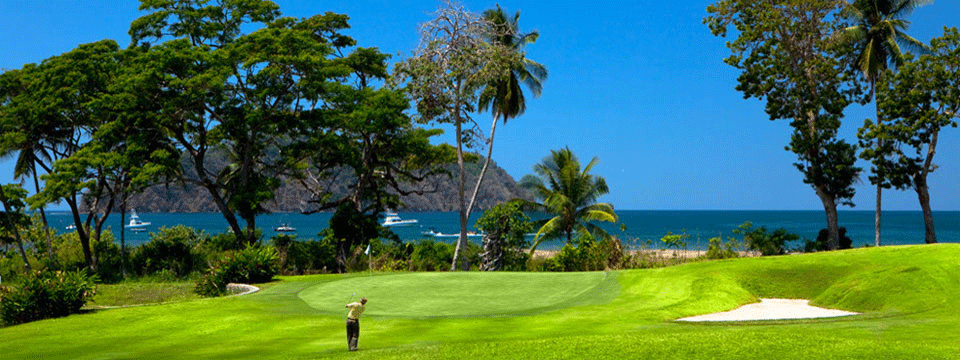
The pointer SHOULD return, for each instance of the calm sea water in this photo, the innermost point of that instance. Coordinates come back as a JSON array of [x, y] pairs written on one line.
[[899, 227]]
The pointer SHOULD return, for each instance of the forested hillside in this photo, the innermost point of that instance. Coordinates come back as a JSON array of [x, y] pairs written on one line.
[[498, 186]]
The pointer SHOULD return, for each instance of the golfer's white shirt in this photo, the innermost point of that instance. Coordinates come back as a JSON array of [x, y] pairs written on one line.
[[355, 310]]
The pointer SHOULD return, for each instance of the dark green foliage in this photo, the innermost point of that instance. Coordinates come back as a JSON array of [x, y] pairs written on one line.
[[254, 264], [569, 193], [430, 255], [789, 56], [174, 250], [586, 255], [305, 257], [46, 294], [821, 243], [351, 228], [505, 227], [758, 239]]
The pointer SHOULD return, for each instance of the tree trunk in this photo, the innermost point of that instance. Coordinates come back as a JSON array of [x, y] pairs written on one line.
[[876, 216], [486, 163], [833, 227], [82, 234], [923, 194], [43, 217], [14, 229], [123, 232], [461, 247]]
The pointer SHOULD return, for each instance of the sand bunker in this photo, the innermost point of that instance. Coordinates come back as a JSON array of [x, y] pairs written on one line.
[[772, 309]]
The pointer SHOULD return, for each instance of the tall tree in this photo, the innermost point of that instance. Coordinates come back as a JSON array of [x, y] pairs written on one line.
[[570, 195], [13, 218], [788, 55], [504, 96], [237, 75], [25, 135], [878, 36], [63, 95], [916, 104], [452, 64]]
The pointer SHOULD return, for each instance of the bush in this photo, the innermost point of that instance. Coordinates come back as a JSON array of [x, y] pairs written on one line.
[[170, 250], [717, 249], [767, 244], [429, 255], [587, 255], [305, 257], [254, 264], [823, 241], [505, 227], [43, 295]]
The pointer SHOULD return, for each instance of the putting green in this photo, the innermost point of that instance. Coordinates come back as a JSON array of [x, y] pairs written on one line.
[[464, 294]]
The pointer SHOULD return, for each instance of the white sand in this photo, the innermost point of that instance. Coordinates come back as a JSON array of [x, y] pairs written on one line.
[[772, 309]]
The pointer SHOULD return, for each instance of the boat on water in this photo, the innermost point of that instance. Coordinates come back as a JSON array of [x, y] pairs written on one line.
[[392, 219], [284, 228], [434, 233], [71, 227], [135, 223]]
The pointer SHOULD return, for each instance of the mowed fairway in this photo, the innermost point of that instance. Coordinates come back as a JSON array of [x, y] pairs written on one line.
[[909, 297], [463, 294]]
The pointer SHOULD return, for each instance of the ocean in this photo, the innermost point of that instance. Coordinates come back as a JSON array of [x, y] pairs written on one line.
[[899, 227]]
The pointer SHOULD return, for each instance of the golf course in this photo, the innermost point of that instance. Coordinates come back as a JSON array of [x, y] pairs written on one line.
[[907, 296]]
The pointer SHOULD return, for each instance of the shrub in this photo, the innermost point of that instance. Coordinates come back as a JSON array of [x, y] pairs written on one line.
[[717, 249], [822, 242], [254, 264], [171, 250], [589, 255], [767, 244], [305, 257], [429, 255], [505, 227], [43, 295]]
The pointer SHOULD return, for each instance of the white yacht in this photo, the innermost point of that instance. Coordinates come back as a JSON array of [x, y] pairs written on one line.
[[392, 219], [285, 228], [135, 223]]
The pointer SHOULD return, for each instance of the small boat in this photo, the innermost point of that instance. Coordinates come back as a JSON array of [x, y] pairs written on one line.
[[392, 219], [71, 227], [135, 223], [285, 228], [434, 233]]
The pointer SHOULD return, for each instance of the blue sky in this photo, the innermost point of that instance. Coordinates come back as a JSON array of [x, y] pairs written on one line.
[[639, 84]]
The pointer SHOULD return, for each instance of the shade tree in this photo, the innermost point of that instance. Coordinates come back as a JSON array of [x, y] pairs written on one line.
[[879, 40], [445, 76], [788, 55], [916, 104]]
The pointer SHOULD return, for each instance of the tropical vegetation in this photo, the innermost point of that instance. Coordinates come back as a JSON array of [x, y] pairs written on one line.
[[569, 194], [878, 37], [617, 314]]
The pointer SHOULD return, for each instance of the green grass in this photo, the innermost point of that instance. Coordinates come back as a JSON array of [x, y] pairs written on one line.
[[909, 297], [419, 295], [141, 293]]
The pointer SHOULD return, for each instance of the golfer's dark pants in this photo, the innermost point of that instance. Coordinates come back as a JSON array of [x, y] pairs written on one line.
[[353, 332]]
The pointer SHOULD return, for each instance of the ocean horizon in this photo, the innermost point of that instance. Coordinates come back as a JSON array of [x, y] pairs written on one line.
[[642, 226]]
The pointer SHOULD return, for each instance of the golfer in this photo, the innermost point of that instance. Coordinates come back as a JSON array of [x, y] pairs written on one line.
[[353, 322]]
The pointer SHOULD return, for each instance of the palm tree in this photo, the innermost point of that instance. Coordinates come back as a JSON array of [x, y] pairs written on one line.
[[504, 96], [879, 36], [570, 195]]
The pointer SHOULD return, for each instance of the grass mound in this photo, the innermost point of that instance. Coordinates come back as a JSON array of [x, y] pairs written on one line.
[[418, 295]]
